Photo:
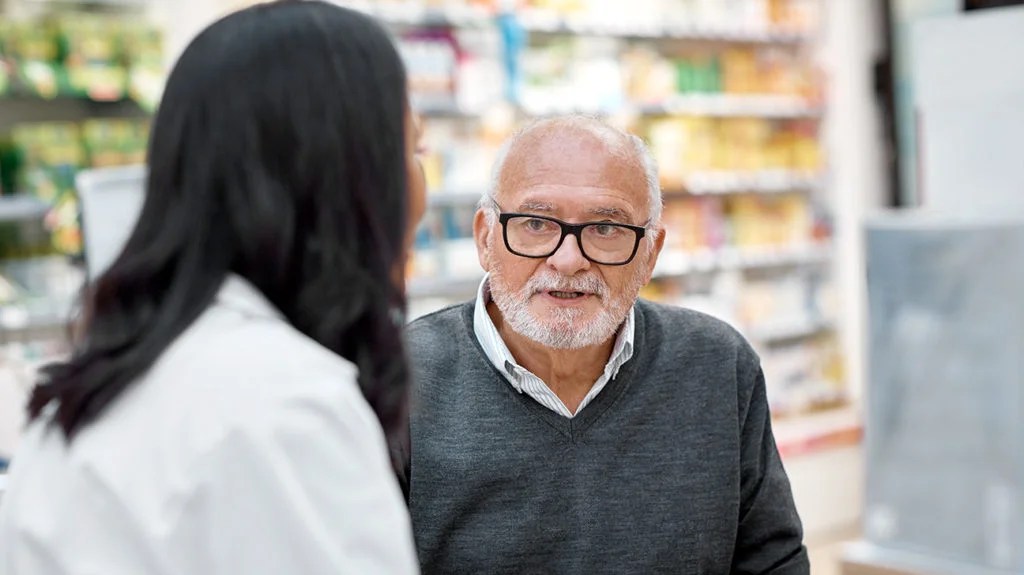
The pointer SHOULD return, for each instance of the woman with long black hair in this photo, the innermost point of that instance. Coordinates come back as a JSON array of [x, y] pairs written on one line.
[[241, 368]]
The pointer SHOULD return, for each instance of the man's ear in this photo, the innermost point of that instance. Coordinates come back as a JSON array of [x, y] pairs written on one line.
[[659, 243], [482, 235]]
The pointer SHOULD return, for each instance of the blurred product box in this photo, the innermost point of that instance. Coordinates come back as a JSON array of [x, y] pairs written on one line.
[[945, 432]]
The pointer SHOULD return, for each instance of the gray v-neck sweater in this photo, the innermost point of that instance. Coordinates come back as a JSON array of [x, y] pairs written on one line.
[[672, 468]]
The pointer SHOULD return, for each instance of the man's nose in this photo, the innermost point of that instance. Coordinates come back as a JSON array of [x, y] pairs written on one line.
[[568, 259]]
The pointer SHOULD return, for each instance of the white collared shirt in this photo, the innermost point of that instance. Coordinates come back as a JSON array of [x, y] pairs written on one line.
[[521, 379]]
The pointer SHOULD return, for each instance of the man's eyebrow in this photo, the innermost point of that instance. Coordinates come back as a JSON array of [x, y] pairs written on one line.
[[612, 213], [536, 207]]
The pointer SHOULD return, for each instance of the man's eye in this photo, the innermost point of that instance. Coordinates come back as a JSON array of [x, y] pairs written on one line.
[[537, 225]]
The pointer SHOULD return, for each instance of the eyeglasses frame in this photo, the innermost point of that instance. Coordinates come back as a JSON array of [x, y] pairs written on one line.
[[567, 230]]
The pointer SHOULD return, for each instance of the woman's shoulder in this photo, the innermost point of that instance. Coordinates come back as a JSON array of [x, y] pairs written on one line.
[[241, 339], [233, 373], [259, 350]]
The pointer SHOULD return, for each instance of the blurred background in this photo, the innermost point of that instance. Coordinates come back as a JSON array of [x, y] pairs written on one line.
[[802, 145]]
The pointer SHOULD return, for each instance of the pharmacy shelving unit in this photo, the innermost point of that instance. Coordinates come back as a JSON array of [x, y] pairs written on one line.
[[22, 103], [833, 424], [38, 286]]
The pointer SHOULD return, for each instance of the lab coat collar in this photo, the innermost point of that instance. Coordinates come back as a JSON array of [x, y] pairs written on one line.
[[238, 294]]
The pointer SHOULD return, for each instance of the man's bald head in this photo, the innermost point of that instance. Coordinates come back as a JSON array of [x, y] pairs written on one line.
[[563, 138]]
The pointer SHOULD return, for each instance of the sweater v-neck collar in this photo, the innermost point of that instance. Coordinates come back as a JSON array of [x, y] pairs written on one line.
[[572, 428]]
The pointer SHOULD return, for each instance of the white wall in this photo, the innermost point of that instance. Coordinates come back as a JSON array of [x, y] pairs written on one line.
[[854, 139], [828, 486], [968, 89]]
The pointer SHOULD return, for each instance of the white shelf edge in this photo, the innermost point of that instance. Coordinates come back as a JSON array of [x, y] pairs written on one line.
[[697, 184], [796, 429], [441, 287], [785, 331], [674, 264], [760, 181], [445, 110], [730, 259], [556, 24], [710, 105], [15, 208], [453, 198], [733, 105], [37, 324], [412, 14]]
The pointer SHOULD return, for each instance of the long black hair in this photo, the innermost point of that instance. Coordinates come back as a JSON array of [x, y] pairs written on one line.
[[278, 154]]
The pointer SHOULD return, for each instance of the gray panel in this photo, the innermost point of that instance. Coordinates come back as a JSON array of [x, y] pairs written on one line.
[[945, 436]]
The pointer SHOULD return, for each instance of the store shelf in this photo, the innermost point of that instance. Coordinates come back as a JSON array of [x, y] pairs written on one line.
[[20, 90], [18, 94], [14, 320], [758, 258], [443, 110], [801, 328], [417, 14], [671, 264], [419, 288], [733, 105], [700, 183], [828, 429], [767, 106], [20, 208], [548, 23], [701, 105], [454, 198], [760, 182], [540, 22]]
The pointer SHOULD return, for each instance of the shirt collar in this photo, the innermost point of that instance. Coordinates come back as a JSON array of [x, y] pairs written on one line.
[[239, 294], [490, 340], [500, 356]]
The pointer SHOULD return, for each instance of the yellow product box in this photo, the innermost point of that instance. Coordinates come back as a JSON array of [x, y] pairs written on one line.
[[778, 151], [683, 218], [739, 70], [709, 146], [807, 154], [669, 143]]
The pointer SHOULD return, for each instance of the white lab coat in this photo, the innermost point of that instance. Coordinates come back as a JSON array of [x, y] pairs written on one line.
[[247, 449]]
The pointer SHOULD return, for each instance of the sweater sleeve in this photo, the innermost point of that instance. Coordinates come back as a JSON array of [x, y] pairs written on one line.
[[770, 535]]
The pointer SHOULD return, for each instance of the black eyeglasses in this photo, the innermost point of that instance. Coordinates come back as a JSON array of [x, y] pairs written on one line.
[[604, 243]]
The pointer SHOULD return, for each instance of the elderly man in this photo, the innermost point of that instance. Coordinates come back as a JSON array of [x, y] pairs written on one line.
[[561, 425]]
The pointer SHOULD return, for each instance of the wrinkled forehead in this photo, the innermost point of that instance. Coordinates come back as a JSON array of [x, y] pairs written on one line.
[[589, 160]]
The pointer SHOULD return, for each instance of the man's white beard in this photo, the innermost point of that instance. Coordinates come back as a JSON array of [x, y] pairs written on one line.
[[563, 328]]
